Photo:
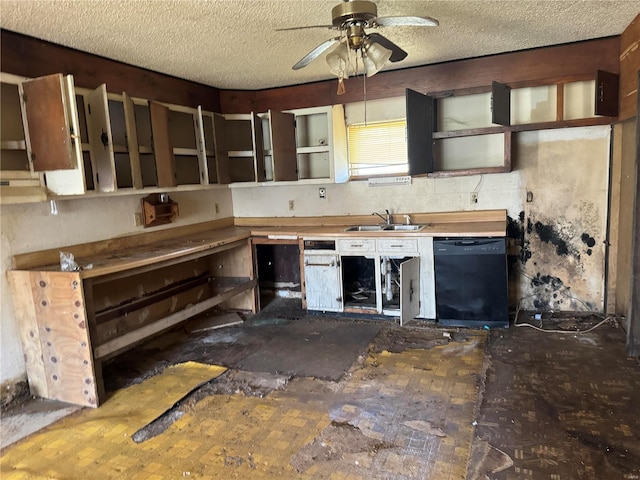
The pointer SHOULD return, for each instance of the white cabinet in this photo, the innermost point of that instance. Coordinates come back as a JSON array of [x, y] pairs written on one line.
[[323, 283], [374, 275]]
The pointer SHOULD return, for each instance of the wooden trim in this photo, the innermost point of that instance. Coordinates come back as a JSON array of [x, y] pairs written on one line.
[[114, 346], [580, 122], [539, 66], [27, 261]]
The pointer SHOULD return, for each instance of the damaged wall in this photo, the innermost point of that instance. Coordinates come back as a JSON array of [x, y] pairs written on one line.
[[556, 242], [31, 227], [560, 253]]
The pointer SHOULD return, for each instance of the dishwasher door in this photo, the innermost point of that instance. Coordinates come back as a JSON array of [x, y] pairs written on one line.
[[471, 282]]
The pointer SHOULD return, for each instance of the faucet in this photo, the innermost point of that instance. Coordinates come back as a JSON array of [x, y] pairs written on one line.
[[387, 218]]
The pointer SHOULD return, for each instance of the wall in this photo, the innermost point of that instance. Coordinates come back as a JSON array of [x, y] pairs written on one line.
[[31, 227], [557, 242]]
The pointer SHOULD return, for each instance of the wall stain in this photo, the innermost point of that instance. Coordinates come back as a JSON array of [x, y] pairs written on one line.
[[549, 234]]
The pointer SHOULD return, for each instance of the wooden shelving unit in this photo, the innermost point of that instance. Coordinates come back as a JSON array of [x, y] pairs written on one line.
[[156, 212]]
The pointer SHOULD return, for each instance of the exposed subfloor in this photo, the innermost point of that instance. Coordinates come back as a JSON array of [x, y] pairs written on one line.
[[335, 397]]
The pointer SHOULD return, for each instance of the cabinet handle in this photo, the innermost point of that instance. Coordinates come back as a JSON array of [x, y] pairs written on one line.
[[330, 264]]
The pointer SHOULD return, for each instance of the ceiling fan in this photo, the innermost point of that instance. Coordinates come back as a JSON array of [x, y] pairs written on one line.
[[351, 18]]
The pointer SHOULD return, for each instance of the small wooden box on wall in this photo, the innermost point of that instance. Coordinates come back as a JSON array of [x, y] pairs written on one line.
[[158, 209]]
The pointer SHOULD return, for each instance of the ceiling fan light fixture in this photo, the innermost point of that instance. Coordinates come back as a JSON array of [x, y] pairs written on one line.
[[338, 60], [375, 58]]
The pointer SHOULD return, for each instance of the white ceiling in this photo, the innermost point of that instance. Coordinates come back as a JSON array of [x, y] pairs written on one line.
[[233, 43]]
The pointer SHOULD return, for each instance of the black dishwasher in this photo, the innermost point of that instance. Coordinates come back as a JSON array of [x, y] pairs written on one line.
[[471, 282]]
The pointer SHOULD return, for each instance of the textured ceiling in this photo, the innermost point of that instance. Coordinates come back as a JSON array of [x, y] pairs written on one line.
[[233, 43]]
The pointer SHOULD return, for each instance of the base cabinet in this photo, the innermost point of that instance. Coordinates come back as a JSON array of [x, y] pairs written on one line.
[[367, 275], [323, 282]]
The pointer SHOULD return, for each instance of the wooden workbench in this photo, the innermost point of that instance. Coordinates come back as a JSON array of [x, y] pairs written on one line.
[[71, 322]]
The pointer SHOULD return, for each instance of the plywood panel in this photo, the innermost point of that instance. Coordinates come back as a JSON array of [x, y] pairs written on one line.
[[283, 136], [25, 313], [63, 330], [132, 140]]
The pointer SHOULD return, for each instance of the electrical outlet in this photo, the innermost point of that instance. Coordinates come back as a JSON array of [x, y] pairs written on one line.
[[137, 219], [291, 205], [216, 207], [322, 192], [474, 198]]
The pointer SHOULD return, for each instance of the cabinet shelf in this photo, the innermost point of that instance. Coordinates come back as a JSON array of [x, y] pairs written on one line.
[[13, 145]]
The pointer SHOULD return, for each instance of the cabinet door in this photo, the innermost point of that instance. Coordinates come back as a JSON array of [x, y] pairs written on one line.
[[220, 149], [101, 140], [420, 127], [409, 289], [52, 132], [46, 112], [283, 145], [258, 149], [165, 161], [322, 283], [500, 104], [607, 87], [202, 148], [132, 140]]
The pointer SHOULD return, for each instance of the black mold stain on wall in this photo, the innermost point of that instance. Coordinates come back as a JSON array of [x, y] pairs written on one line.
[[549, 234], [517, 244], [589, 241]]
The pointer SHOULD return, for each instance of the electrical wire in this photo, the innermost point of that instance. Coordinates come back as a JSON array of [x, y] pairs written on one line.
[[565, 332]]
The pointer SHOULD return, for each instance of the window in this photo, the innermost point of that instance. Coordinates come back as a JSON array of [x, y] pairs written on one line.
[[377, 149]]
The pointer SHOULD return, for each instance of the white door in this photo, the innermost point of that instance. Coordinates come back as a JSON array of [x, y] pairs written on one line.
[[409, 289], [323, 286]]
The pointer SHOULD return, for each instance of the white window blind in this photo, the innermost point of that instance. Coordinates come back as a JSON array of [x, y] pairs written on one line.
[[377, 149]]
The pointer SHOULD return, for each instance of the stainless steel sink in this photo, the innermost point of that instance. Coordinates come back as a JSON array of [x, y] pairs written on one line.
[[383, 228], [365, 228], [403, 227]]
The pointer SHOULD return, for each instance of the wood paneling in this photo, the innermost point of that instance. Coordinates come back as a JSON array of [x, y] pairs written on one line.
[[576, 61], [30, 57], [629, 66], [633, 331]]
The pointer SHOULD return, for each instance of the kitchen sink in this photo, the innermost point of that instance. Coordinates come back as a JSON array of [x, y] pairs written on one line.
[[384, 228], [403, 227], [365, 228]]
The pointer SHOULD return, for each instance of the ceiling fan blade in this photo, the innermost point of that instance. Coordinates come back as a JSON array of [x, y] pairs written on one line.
[[315, 53], [406, 22], [330, 27], [397, 54]]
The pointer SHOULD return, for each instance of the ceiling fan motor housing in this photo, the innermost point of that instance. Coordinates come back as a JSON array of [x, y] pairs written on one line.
[[354, 11], [353, 16]]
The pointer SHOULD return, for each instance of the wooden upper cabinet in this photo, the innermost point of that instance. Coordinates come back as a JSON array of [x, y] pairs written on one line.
[[500, 104], [607, 88], [46, 113], [420, 127], [165, 161], [283, 144]]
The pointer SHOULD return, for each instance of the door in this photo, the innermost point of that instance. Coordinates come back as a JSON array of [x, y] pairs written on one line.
[[323, 288], [420, 128], [101, 140], [409, 290], [258, 149], [132, 140], [52, 132], [165, 161], [283, 145]]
